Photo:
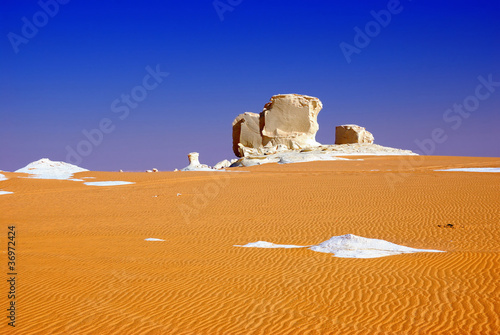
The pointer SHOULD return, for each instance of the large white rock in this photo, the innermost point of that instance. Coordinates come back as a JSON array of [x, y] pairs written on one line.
[[291, 120], [287, 121], [246, 131], [351, 133]]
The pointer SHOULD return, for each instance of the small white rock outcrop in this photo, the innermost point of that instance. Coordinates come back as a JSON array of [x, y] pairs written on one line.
[[351, 133], [224, 164], [194, 163]]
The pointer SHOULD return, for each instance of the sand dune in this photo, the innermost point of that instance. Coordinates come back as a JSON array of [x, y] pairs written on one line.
[[85, 267]]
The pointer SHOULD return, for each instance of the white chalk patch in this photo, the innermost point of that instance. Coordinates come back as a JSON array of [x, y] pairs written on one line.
[[178, 194], [108, 183], [154, 239], [352, 246], [348, 246], [296, 157], [497, 170], [200, 169], [2, 177], [73, 179], [47, 169], [264, 244], [322, 153], [5, 192]]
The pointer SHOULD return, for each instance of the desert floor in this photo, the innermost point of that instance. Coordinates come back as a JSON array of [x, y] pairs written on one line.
[[84, 266]]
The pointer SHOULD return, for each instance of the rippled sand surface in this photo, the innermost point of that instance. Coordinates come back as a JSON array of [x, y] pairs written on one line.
[[86, 266]]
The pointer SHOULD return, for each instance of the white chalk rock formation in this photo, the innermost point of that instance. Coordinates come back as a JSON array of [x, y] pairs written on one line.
[[351, 133], [288, 121], [285, 132], [47, 169], [194, 163], [246, 132], [193, 158], [224, 164], [291, 120]]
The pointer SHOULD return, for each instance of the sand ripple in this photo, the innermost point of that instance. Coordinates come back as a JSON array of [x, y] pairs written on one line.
[[85, 268]]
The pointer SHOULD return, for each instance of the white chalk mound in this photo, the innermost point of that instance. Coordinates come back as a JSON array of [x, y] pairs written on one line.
[[47, 169], [497, 170], [108, 183], [151, 239], [264, 244], [352, 246], [321, 153], [2, 177], [349, 246]]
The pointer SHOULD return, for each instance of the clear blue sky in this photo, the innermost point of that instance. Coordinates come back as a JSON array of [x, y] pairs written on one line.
[[71, 73]]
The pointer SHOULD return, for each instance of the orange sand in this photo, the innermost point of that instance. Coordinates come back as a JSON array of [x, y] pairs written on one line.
[[84, 267]]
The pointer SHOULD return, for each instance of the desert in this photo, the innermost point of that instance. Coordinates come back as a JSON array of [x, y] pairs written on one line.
[[231, 167], [88, 267], [376, 239]]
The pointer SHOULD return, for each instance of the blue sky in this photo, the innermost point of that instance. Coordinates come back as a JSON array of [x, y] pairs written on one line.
[[61, 79]]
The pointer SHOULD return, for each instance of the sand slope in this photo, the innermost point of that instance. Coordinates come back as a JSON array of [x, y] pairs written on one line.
[[85, 267]]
